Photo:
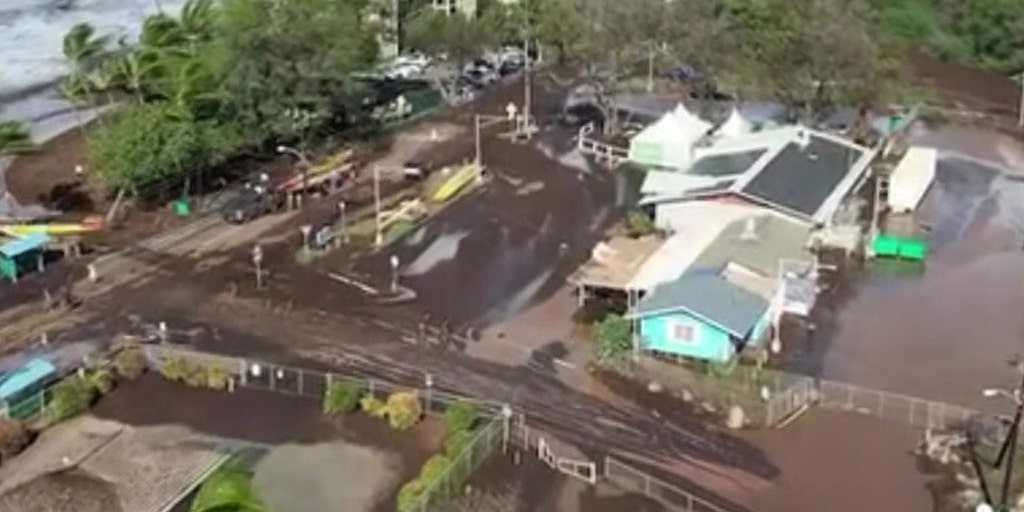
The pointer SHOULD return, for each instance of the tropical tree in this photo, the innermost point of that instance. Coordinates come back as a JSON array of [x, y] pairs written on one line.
[[457, 36], [84, 51], [229, 489]]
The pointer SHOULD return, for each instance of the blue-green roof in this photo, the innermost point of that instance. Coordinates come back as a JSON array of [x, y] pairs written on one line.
[[709, 297], [20, 246], [18, 379]]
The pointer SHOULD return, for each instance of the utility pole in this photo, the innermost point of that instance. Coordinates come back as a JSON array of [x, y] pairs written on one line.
[[476, 134], [527, 92], [650, 70], [1008, 450]]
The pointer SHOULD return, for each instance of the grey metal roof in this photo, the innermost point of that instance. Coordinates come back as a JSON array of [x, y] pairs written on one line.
[[774, 239], [709, 297], [802, 179], [726, 164]]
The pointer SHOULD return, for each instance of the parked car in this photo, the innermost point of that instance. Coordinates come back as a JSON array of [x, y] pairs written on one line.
[[415, 171], [254, 201]]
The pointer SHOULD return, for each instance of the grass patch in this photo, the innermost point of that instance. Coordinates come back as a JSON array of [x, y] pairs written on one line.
[[397, 230]]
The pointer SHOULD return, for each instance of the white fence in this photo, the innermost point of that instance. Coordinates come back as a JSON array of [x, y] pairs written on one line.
[[667, 494], [601, 150], [581, 469]]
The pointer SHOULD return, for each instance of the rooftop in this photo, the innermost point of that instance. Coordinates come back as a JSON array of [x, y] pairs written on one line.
[[710, 298], [18, 379], [803, 177], [757, 243], [615, 262]]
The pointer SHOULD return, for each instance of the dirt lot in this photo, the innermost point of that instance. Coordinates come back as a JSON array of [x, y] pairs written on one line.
[[373, 455]]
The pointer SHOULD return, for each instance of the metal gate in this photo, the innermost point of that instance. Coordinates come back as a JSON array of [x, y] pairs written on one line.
[[789, 401]]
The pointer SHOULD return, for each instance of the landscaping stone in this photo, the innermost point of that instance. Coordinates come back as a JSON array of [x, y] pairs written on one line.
[[736, 418]]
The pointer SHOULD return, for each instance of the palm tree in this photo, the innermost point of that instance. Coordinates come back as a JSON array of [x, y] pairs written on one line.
[[229, 489], [197, 20], [15, 138], [83, 48]]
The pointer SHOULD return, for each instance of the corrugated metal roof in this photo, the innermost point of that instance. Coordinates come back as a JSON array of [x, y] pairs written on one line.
[[713, 299], [20, 246], [17, 380], [757, 242]]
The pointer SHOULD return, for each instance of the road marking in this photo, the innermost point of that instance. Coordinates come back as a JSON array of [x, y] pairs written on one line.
[[369, 290]]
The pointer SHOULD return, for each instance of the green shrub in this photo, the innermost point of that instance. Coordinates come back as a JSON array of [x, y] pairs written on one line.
[[129, 363], [14, 437], [433, 468], [639, 224], [373, 406], [456, 442], [404, 410], [341, 397], [217, 376], [613, 338], [195, 375], [174, 369], [459, 415], [70, 397], [101, 380], [410, 496]]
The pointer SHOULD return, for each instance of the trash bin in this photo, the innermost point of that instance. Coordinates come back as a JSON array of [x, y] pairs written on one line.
[[183, 207]]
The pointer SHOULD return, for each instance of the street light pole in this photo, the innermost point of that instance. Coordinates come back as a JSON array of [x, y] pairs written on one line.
[[378, 236], [344, 230], [304, 162], [527, 89], [1020, 108], [476, 134], [257, 261], [1008, 450], [394, 273]]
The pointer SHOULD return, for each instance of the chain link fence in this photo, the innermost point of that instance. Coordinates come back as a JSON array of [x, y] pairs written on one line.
[[637, 481], [306, 383], [448, 484]]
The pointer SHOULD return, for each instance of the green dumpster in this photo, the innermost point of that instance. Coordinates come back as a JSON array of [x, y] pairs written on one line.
[[183, 207], [888, 246]]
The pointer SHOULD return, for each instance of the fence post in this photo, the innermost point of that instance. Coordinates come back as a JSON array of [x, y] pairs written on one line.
[[298, 376]]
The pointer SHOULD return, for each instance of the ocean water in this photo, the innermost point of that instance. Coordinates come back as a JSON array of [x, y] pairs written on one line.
[[31, 61]]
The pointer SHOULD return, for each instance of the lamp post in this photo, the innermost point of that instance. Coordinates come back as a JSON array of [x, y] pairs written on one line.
[[428, 382], [341, 211], [394, 273], [257, 261], [305, 167]]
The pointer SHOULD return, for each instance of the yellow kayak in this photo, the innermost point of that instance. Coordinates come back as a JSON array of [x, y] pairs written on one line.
[[52, 229], [456, 182]]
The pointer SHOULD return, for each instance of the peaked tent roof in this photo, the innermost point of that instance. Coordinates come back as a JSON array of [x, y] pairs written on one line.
[[677, 127], [736, 125]]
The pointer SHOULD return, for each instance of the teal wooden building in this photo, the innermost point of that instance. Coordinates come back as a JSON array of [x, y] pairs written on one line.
[[21, 388], [701, 316], [22, 255]]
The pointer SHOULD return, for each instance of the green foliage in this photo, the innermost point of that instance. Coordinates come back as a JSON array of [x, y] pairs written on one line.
[[129, 363], [15, 138], [612, 338], [70, 397], [410, 496], [150, 143], [458, 416], [341, 397], [101, 379], [217, 377], [457, 441], [434, 467], [457, 36], [228, 489], [404, 410], [175, 369], [639, 224], [373, 406], [195, 375]]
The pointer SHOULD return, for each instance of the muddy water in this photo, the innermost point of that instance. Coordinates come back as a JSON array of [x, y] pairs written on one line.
[[947, 333]]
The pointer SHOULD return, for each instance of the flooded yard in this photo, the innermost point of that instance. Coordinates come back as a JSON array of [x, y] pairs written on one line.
[[945, 331]]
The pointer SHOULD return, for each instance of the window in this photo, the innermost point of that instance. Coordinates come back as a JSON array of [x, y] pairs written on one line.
[[681, 332]]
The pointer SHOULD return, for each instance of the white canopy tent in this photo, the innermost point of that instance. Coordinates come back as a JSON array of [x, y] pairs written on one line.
[[735, 126], [668, 143]]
